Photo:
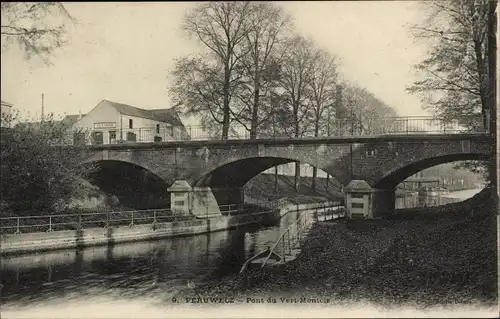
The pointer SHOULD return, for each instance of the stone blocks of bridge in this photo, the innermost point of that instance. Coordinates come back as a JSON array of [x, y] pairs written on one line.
[[363, 201], [198, 201]]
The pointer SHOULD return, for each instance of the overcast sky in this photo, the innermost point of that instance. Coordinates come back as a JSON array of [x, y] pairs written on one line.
[[124, 51]]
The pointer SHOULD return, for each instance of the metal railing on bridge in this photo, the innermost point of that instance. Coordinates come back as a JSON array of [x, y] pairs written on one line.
[[337, 128], [77, 221]]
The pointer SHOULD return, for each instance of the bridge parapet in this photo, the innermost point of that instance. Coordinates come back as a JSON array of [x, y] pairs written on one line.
[[346, 127]]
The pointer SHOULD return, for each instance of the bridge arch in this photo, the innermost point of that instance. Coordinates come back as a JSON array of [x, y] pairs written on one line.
[[239, 172], [135, 186], [227, 180], [394, 177]]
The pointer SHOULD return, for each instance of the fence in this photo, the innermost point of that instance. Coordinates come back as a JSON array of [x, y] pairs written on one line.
[[337, 128], [413, 200], [56, 222], [294, 234]]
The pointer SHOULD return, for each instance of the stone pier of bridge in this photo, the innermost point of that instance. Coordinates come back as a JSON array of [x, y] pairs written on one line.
[[217, 171]]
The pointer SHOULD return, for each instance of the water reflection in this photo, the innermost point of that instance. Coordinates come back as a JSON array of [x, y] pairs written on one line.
[[431, 199], [159, 268]]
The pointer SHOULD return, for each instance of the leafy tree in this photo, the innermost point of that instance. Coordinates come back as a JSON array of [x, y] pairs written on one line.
[[36, 173], [37, 27], [456, 71]]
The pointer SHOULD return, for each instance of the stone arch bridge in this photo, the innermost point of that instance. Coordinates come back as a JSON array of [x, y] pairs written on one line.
[[227, 165]]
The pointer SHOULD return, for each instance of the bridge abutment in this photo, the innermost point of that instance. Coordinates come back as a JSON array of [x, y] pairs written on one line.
[[383, 202]]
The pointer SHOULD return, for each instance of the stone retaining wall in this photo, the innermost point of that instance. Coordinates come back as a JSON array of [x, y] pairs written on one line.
[[43, 241]]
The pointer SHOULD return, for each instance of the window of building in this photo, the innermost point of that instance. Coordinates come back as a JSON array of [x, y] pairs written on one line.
[[130, 123], [97, 137], [357, 205], [131, 137], [157, 128], [112, 137]]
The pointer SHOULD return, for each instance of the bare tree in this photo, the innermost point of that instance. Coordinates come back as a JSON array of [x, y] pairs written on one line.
[[367, 113], [220, 27], [267, 25], [295, 76], [322, 87], [37, 27]]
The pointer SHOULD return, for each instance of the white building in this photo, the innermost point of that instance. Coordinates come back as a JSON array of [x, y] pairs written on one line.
[[6, 113], [110, 122]]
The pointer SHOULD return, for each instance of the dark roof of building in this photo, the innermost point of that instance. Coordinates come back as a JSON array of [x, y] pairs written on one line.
[[168, 115], [35, 125], [358, 185], [69, 120], [162, 115]]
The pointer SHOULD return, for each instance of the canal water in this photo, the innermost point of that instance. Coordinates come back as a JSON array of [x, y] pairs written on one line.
[[414, 199], [159, 269], [135, 280]]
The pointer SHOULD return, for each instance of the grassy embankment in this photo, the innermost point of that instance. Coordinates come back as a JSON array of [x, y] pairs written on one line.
[[434, 256], [261, 188]]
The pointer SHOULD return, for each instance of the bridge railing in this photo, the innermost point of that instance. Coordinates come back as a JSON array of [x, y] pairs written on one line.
[[55, 222], [51, 222], [336, 128], [230, 209]]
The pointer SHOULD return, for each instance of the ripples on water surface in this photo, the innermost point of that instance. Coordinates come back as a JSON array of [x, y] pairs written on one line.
[[138, 280], [158, 269]]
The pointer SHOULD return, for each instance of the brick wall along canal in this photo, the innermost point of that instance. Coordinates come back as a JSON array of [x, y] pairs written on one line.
[[159, 268]]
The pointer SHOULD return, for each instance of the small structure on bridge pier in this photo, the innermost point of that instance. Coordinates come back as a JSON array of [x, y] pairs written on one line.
[[363, 201], [180, 197], [358, 198], [187, 200]]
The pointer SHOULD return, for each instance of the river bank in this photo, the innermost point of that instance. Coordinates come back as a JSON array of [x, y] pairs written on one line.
[[440, 255], [18, 243]]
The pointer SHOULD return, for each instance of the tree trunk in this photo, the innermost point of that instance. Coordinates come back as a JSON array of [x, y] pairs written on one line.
[[276, 180], [483, 80], [255, 112], [226, 90], [296, 135], [314, 178], [492, 92], [296, 183], [315, 169], [256, 93]]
